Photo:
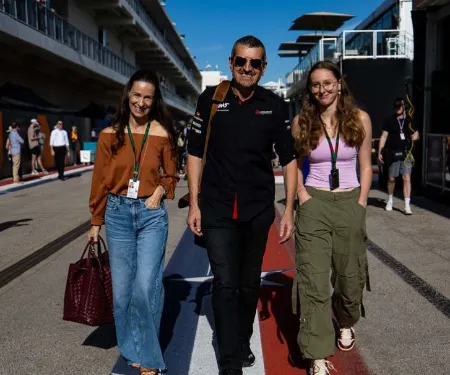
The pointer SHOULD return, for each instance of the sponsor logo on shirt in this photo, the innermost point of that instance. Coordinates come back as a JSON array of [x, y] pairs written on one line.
[[223, 107], [260, 113]]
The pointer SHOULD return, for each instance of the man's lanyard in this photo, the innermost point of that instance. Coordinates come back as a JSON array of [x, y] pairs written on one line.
[[334, 152], [401, 124], [137, 161]]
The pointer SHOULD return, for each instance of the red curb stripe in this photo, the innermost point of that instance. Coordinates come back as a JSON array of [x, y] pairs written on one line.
[[279, 327], [30, 177]]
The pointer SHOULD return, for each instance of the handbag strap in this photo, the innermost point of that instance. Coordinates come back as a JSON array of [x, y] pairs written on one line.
[[90, 250], [219, 96], [101, 243]]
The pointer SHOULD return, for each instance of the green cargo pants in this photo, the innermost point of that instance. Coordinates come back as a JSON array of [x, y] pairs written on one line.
[[330, 234]]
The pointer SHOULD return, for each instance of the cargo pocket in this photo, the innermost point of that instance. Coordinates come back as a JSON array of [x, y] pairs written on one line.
[[299, 298], [363, 280], [304, 335], [294, 296]]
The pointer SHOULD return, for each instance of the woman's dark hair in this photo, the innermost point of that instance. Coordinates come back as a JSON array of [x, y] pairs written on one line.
[[158, 110], [308, 129]]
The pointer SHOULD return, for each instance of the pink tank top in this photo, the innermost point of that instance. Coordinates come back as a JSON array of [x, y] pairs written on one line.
[[320, 165]]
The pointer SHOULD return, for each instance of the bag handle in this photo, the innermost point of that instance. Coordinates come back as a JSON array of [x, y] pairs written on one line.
[[101, 243], [219, 96], [88, 246], [91, 253]]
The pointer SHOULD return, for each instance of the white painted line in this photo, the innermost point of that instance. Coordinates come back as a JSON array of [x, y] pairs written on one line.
[[279, 180], [43, 179], [204, 360]]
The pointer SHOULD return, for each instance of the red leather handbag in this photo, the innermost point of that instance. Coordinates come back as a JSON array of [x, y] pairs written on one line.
[[88, 296]]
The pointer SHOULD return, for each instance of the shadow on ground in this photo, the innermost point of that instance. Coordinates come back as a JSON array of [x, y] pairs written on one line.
[[276, 303], [380, 203], [13, 223]]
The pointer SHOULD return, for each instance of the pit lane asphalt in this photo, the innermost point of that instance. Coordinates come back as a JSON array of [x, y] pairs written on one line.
[[404, 332]]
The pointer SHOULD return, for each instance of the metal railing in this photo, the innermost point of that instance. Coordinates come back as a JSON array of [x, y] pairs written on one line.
[[437, 161], [323, 50], [372, 44], [303, 67], [357, 44], [144, 16], [178, 100], [54, 26]]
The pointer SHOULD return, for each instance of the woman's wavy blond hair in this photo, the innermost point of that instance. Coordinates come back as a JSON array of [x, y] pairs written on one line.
[[309, 127]]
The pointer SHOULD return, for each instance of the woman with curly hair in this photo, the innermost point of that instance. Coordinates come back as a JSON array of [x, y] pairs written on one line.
[[330, 222]]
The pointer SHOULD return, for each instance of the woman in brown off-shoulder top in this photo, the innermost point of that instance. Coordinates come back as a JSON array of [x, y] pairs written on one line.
[[135, 169]]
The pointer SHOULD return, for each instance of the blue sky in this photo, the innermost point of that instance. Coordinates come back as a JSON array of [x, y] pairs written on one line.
[[212, 26]]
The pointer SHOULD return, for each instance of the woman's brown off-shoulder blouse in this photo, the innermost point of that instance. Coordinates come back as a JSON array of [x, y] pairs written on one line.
[[112, 172]]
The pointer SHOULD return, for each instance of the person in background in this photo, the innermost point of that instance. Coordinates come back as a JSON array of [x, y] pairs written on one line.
[[8, 144], [135, 171], [59, 144], [75, 145], [393, 151], [35, 147], [181, 149], [15, 144], [330, 224], [41, 140]]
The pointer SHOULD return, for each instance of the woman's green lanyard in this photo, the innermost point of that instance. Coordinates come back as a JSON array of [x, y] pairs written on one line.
[[334, 173], [133, 184]]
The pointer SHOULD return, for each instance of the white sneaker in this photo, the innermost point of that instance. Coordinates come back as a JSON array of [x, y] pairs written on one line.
[[34, 171], [320, 367], [408, 210], [346, 340], [388, 206]]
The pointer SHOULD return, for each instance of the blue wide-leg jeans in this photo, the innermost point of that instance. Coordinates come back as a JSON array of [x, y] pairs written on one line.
[[136, 238]]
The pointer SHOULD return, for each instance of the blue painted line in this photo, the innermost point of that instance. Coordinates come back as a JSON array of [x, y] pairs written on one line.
[[182, 307]]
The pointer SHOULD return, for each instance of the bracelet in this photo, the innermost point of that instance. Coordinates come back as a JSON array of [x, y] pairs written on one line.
[[300, 189]]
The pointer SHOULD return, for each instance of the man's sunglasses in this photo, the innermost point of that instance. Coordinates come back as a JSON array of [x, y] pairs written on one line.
[[398, 105], [254, 63]]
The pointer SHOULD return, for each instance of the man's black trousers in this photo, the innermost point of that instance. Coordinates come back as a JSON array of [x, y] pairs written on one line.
[[235, 251], [60, 159]]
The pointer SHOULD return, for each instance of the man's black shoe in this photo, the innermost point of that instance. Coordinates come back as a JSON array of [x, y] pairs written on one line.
[[231, 371], [248, 358]]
